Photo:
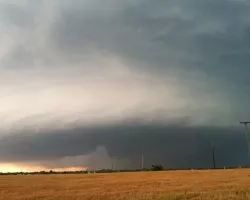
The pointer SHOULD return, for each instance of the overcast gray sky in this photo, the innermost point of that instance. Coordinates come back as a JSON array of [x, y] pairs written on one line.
[[94, 63]]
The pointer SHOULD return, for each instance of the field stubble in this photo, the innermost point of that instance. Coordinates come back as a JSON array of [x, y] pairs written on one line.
[[169, 185]]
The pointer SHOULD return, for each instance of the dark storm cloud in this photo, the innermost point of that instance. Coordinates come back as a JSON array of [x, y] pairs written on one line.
[[187, 36], [209, 37], [204, 43], [173, 146], [192, 34]]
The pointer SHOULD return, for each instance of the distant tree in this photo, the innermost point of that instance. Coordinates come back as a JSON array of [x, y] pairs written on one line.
[[157, 167]]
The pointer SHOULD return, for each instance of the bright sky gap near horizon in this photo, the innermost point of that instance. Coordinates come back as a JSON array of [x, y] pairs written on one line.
[[86, 80]]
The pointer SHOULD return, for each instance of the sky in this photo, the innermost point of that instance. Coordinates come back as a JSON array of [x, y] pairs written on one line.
[[85, 81]]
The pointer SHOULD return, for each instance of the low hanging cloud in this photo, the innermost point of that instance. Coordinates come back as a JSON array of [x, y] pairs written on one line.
[[104, 96], [98, 147], [93, 63]]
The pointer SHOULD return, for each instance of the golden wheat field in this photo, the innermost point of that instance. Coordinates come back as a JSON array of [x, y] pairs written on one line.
[[205, 184]]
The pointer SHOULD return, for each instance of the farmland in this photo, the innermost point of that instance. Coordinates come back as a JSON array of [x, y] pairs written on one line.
[[205, 184]]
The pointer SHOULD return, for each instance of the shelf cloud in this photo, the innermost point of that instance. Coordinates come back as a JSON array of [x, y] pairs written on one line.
[[95, 65]]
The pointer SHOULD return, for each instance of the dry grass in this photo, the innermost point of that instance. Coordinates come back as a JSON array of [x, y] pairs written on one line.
[[176, 185]]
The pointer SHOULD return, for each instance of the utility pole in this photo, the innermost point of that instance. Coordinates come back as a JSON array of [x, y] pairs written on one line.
[[142, 167], [247, 136], [113, 162], [212, 145]]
